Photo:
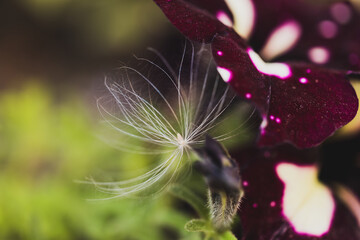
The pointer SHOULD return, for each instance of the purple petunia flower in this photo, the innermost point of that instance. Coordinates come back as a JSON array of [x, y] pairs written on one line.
[[326, 33], [300, 103]]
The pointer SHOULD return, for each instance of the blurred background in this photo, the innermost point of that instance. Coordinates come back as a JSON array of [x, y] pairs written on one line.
[[54, 55]]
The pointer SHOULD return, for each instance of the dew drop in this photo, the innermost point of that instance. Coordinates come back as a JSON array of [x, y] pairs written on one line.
[[248, 95], [245, 183], [272, 117], [278, 120], [273, 204], [220, 53]]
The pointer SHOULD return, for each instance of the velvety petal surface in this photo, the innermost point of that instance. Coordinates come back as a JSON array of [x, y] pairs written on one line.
[[195, 19], [263, 211], [300, 103]]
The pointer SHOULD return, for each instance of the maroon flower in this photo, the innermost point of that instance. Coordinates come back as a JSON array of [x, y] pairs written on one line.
[[285, 200], [326, 33], [299, 103]]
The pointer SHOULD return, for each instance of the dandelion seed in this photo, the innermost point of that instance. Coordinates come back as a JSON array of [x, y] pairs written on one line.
[[169, 114]]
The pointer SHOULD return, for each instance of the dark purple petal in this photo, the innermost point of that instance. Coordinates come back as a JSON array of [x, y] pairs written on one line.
[[300, 103], [330, 33], [231, 54], [195, 21], [262, 209]]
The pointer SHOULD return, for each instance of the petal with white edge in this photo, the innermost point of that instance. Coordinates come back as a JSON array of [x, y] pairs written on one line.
[[307, 204]]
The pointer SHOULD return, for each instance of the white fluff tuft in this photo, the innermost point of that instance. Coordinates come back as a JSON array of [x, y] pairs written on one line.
[[169, 114]]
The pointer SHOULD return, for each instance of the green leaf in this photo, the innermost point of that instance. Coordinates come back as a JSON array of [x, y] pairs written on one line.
[[189, 197], [196, 225], [228, 235]]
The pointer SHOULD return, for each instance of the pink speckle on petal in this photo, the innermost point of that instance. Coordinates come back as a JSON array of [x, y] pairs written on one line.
[[303, 80], [278, 120], [220, 53], [245, 183], [273, 204], [224, 18], [319, 55], [225, 74], [272, 117], [308, 70], [248, 95]]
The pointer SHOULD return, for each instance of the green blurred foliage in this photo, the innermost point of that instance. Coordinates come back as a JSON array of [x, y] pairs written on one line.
[[44, 146], [103, 25]]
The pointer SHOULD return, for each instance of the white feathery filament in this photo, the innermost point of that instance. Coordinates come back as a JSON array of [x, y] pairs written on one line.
[[169, 120]]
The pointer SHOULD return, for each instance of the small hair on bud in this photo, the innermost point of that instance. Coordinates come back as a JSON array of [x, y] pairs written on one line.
[[221, 173]]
